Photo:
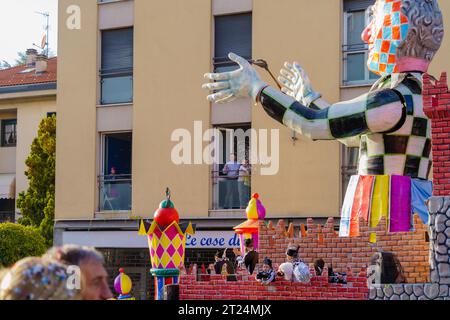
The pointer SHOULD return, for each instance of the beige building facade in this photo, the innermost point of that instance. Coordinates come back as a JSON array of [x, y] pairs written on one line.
[[130, 75], [27, 95]]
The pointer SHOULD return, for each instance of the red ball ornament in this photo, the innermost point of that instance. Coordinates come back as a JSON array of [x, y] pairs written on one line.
[[255, 196], [165, 216]]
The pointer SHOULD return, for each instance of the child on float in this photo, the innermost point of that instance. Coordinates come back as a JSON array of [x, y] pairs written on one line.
[[250, 258], [294, 269], [267, 275]]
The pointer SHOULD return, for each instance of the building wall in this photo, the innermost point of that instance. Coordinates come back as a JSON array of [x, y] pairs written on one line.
[[76, 103], [170, 59], [309, 171], [169, 64], [29, 116], [7, 155], [29, 113]]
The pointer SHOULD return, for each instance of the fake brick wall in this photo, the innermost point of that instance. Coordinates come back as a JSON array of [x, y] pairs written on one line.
[[247, 288], [436, 102], [349, 254]]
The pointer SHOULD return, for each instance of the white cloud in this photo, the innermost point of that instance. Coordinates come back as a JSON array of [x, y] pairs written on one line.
[[21, 26]]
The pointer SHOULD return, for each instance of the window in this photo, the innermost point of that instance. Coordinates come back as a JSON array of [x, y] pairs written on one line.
[[233, 33], [231, 180], [355, 51], [115, 181], [7, 208], [9, 133], [117, 66], [51, 114]]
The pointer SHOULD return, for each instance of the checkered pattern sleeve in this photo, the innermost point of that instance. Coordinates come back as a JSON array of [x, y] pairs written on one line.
[[381, 111]]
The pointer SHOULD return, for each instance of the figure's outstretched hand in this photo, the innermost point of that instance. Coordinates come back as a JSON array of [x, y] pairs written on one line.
[[295, 83], [243, 82]]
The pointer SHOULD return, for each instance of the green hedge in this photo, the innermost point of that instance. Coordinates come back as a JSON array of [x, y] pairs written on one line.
[[18, 242]]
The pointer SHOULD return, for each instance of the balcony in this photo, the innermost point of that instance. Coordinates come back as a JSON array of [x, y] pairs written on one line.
[[231, 194], [115, 193]]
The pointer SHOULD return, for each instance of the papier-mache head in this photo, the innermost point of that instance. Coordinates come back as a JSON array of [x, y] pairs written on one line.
[[403, 35]]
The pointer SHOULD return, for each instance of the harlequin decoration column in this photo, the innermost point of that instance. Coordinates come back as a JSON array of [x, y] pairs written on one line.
[[250, 228], [167, 243], [123, 285]]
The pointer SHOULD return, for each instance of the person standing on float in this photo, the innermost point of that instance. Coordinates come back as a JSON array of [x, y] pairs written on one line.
[[388, 123]]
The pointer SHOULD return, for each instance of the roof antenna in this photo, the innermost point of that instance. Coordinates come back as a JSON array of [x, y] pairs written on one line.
[[45, 40]]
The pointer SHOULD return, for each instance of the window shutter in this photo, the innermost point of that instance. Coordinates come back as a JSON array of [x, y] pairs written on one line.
[[117, 50], [233, 33], [357, 5]]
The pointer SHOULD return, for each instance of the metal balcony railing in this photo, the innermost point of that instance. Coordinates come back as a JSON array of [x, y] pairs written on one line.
[[115, 192], [230, 193], [7, 216]]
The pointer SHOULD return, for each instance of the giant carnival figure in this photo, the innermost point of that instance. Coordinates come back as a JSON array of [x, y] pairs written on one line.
[[388, 123]]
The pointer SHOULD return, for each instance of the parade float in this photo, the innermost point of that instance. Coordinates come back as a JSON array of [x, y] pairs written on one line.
[[387, 123], [390, 205], [394, 133]]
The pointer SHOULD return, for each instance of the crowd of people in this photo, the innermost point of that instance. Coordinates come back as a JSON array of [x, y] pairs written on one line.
[[293, 269]]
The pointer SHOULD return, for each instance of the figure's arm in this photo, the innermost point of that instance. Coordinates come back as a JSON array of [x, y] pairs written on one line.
[[351, 142], [377, 112], [295, 83]]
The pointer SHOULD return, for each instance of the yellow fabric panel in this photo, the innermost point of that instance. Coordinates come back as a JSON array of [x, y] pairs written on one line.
[[380, 200]]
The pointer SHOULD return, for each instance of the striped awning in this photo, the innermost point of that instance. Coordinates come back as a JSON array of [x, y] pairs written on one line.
[[7, 186]]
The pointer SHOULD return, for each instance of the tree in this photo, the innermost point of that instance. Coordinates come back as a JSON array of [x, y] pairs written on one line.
[[4, 65], [22, 59], [37, 204], [18, 242]]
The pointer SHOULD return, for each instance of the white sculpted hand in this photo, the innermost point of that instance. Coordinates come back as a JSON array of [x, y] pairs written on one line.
[[243, 82], [296, 84]]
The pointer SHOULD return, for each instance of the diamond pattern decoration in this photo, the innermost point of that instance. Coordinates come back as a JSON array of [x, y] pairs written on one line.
[[167, 248], [177, 241], [164, 241], [394, 31]]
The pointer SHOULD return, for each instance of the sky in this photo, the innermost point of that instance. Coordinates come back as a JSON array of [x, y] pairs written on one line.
[[20, 26]]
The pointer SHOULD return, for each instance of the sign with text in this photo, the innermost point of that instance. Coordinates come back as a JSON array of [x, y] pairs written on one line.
[[130, 239], [212, 239]]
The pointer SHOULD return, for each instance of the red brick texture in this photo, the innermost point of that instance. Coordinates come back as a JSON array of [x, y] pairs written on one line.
[[412, 249], [247, 288], [436, 105], [350, 255]]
